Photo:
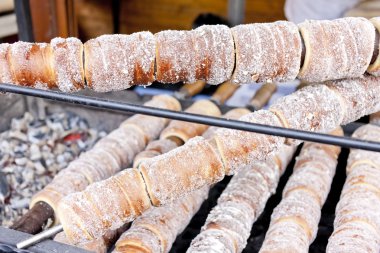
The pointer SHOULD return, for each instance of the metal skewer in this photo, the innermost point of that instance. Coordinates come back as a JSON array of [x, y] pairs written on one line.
[[190, 117], [39, 237]]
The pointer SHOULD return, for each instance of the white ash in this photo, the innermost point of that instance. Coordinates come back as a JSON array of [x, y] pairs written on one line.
[[32, 152]]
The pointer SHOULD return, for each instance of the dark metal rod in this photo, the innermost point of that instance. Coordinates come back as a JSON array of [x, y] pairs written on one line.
[[212, 121], [24, 20]]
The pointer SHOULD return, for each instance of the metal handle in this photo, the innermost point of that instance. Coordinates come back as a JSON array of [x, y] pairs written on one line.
[[39, 237]]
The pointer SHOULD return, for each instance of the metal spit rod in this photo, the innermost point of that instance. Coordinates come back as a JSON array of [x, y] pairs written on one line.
[[39, 237], [346, 142]]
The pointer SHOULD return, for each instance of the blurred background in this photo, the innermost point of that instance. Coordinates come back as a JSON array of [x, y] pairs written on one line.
[[41, 20]]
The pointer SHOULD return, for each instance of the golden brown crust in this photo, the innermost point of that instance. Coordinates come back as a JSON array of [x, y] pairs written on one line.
[[144, 155], [140, 241], [87, 51], [137, 194], [111, 202], [164, 183], [116, 62], [186, 130], [175, 57], [31, 64]]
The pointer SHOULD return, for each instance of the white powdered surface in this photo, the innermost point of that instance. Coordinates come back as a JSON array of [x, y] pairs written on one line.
[[116, 62], [294, 222], [215, 53], [336, 49], [5, 73], [164, 222], [165, 182], [176, 56], [356, 106], [231, 114], [240, 204], [68, 63], [239, 148], [267, 52], [314, 108], [357, 219], [212, 241]]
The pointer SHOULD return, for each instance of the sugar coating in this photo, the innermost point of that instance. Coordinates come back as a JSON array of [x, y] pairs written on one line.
[[31, 64], [267, 52], [5, 73], [357, 157], [312, 179], [318, 154], [152, 126], [68, 63], [357, 221], [165, 222], [241, 203], [285, 237], [66, 183], [138, 239], [374, 68], [270, 172], [256, 191], [212, 241], [154, 149], [354, 236], [239, 148], [284, 156], [62, 185], [341, 48], [215, 53], [313, 108], [313, 171], [186, 130], [352, 207], [362, 176], [299, 206], [111, 154], [143, 155], [131, 140], [97, 245], [103, 206], [231, 114], [166, 182], [103, 166], [116, 148], [161, 146], [356, 105], [117, 62], [234, 218], [303, 197], [176, 57]]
